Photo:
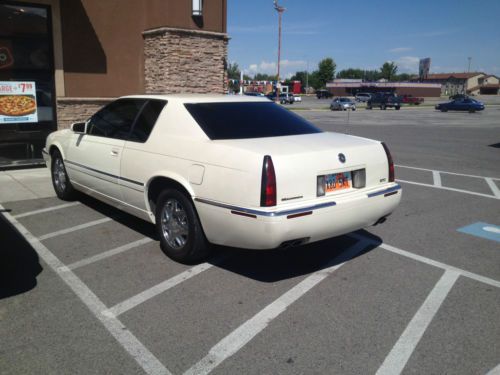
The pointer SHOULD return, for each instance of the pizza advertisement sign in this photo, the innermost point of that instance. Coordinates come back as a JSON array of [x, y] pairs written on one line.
[[17, 102]]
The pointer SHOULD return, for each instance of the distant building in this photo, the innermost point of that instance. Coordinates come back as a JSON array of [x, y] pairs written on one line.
[[342, 88], [473, 83]]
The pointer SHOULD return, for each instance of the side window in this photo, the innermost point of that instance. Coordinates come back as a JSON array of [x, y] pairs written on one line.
[[116, 119], [146, 120]]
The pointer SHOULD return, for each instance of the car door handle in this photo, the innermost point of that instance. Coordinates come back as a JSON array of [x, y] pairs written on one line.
[[114, 152]]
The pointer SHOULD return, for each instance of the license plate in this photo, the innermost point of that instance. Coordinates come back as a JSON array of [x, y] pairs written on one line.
[[337, 181]]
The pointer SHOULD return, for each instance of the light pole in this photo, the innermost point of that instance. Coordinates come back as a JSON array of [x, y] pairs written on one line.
[[280, 11]]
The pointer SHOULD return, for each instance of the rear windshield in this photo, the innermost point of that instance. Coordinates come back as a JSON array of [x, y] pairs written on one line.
[[248, 120]]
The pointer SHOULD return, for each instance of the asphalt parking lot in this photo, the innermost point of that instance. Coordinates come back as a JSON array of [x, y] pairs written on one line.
[[85, 288]]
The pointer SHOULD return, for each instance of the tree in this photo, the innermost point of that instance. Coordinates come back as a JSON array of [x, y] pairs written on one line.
[[403, 77], [314, 80], [351, 74], [264, 77], [233, 71], [326, 71], [302, 77], [389, 70]]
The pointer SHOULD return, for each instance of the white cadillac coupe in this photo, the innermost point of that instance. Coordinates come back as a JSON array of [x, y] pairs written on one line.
[[231, 170]]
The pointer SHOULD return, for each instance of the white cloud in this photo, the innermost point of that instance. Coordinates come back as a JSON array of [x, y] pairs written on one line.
[[407, 64], [400, 49], [287, 67]]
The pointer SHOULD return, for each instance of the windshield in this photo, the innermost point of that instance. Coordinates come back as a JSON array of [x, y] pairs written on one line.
[[248, 120]]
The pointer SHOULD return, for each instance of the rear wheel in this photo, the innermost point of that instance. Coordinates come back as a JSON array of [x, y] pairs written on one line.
[[472, 110], [382, 107], [60, 180], [179, 229], [398, 108], [444, 110]]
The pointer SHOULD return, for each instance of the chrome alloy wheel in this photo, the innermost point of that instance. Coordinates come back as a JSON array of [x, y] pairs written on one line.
[[59, 175], [174, 224]]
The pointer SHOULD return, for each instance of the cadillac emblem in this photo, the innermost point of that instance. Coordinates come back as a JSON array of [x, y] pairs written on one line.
[[342, 158]]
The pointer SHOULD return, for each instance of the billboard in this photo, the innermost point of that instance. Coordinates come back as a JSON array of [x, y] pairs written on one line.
[[17, 102], [423, 68]]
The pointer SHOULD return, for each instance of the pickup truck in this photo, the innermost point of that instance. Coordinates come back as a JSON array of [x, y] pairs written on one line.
[[409, 99], [384, 101]]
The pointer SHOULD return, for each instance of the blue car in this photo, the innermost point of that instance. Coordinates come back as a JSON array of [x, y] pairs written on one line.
[[461, 104]]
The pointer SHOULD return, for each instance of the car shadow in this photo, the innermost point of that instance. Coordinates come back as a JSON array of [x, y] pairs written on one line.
[[262, 265], [274, 265], [138, 225], [19, 262]]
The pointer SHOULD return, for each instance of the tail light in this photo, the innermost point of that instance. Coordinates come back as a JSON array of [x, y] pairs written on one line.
[[268, 186], [390, 161]]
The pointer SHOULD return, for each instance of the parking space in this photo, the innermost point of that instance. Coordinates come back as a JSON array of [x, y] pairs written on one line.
[[414, 295]]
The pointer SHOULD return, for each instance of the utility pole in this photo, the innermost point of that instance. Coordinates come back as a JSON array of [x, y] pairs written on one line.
[[280, 11], [470, 59], [307, 77]]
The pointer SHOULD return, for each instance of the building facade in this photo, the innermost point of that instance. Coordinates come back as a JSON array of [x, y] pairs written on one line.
[[72, 57], [473, 83]]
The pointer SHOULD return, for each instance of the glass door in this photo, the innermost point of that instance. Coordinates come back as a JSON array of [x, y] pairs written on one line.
[[27, 93]]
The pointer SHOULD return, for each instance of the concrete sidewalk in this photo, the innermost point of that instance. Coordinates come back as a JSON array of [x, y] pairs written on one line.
[[23, 184]]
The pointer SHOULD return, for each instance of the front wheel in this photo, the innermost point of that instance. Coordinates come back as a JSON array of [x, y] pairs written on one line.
[[398, 108], [382, 107], [60, 180], [179, 229]]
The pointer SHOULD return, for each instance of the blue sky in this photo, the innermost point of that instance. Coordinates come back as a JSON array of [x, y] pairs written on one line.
[[364, 34]]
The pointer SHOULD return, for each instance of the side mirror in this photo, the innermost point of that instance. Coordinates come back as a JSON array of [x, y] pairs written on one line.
[[79, 127]]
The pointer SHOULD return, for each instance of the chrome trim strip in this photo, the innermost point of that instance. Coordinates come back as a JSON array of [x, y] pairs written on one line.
[[104, 173], [266, 213], [385, 191], [44, 151]]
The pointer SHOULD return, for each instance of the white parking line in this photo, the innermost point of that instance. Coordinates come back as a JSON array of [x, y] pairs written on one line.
[[495, 371], [109, 253], [453, 173], [444, 266], [493, 187], [395, 362], [248, 330], [150, 364], [437, 178], [448, 188], [142, 297], [73, 229], [42, 210]]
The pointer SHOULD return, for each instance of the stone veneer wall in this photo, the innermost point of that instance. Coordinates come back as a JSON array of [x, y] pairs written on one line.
[[181, 60], [70, 110]]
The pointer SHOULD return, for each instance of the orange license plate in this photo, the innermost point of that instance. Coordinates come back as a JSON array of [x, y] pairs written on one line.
[[337, 181]]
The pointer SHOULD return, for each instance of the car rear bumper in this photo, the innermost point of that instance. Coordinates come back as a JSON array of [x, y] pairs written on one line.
[[258, 229]]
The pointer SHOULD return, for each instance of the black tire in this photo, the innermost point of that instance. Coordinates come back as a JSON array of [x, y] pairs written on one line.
[[354, 109], [472, 110], [368, 106], [60, 180], [444, 110], [398, 108], [179, 228], [382, 107]]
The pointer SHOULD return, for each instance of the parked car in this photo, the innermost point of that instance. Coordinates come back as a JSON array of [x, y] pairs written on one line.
[[235, 170], [410, 99], [285, 98], [384, 101], [363, 97], [297, 98], [467, 104], [253, 93], [458, 96], [342, 104], [323, 94]]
